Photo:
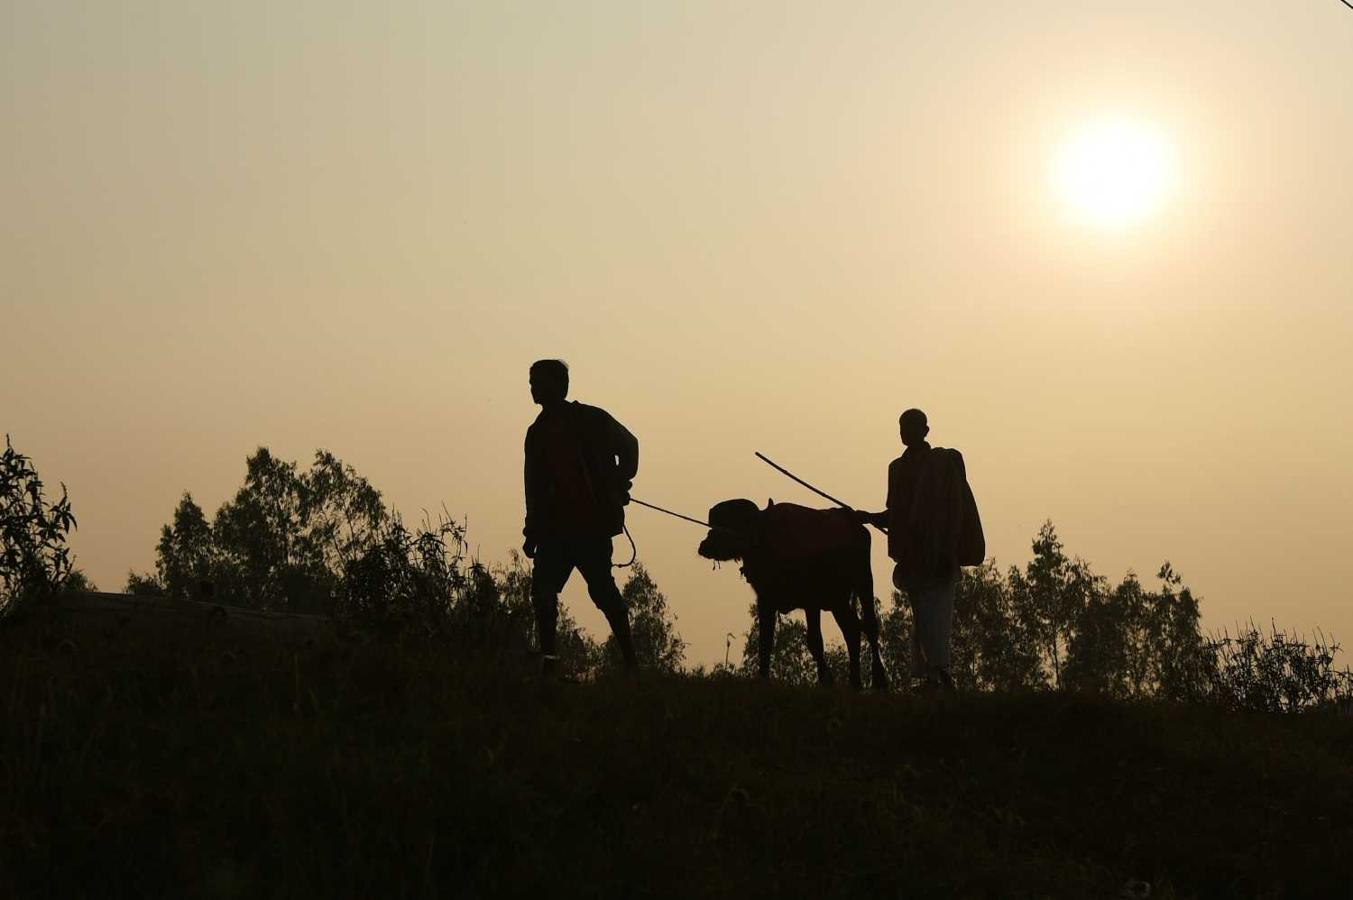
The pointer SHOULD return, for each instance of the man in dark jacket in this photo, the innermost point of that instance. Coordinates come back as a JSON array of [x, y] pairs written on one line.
[[580, 463], [933, 528]]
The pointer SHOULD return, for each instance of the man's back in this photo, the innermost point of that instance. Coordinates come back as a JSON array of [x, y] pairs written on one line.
[[579, 462], [926, 510]]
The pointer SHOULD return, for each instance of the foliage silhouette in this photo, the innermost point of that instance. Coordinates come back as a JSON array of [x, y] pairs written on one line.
[[79, 580], [280, 543], [657, 645], [321, 540], [35, 559], [141, 585], [1275, 672], [405, 582], [229, 762], [422, 585], [186, 555], [1056, 625]]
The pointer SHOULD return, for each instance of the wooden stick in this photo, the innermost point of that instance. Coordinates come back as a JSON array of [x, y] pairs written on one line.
[[783, 471]]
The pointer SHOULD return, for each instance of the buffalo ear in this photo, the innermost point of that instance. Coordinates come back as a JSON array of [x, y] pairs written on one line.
[[770, 501]]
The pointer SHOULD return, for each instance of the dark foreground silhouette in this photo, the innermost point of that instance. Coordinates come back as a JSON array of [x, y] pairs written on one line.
[[215, 760]]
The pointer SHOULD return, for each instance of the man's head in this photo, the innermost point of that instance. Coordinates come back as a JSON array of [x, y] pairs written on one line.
[[913, 427], [549, 381]]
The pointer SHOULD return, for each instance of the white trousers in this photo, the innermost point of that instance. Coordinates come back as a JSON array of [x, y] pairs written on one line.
[[932, 626]]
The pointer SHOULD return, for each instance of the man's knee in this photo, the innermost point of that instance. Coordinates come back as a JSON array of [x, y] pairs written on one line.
[[606, 595], [601, 587]]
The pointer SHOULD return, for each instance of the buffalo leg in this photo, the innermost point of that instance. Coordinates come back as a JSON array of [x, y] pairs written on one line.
[[814, 619], [765, 639], [870, 624], [864, 592], [850, 630]]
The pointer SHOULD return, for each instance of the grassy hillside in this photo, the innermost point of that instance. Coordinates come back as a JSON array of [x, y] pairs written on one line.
[[200, 757]]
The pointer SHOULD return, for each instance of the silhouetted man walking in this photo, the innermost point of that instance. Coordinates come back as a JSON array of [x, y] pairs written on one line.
[[580, 463], [933, 528]]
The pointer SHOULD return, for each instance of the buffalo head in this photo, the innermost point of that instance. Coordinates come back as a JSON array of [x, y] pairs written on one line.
[[733, 525]]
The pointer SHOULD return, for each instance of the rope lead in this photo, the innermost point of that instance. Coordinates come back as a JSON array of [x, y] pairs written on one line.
[[634, 551]]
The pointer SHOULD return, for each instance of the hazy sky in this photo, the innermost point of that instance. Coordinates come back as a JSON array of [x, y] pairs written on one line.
[[753, 226]]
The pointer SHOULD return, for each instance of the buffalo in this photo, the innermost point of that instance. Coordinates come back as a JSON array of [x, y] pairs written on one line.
[[795, 557]]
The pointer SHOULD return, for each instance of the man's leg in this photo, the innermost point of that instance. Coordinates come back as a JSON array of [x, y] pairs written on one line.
[[932, 609], [594, 561], [548, 576], [903, 584]]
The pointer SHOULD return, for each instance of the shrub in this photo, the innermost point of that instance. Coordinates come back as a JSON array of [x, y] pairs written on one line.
[[421, 585], [139, 585], [1275, 672], [79, 581], [35, 560], [406, 582]]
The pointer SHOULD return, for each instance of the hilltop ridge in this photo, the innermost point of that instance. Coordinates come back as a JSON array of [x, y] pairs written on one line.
[[233, 762]]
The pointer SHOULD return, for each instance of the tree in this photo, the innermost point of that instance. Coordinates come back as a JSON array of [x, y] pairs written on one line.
[[34, 557], [1048, 598], [78, 580], [140, 585], [1056, 624], [993, 647], [790, 660], [282, 542], [657, 645], [259, 535], [895, 631], [1183, 660], [186, 555], [990, 648], [340, 510], [1133, 642]]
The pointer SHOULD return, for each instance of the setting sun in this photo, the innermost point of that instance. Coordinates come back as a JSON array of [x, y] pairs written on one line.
[[1114, 172]]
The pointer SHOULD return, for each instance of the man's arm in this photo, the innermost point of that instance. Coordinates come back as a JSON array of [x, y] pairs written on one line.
[[879, 519], [529, 479], [626, 448]]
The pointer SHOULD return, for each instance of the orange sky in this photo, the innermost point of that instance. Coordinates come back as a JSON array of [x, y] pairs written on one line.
[[764, 228]]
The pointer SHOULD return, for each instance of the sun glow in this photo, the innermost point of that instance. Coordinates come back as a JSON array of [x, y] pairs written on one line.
[[1114, 172]]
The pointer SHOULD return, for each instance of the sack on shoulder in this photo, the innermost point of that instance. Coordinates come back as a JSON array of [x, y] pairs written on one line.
[[972, 544]]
